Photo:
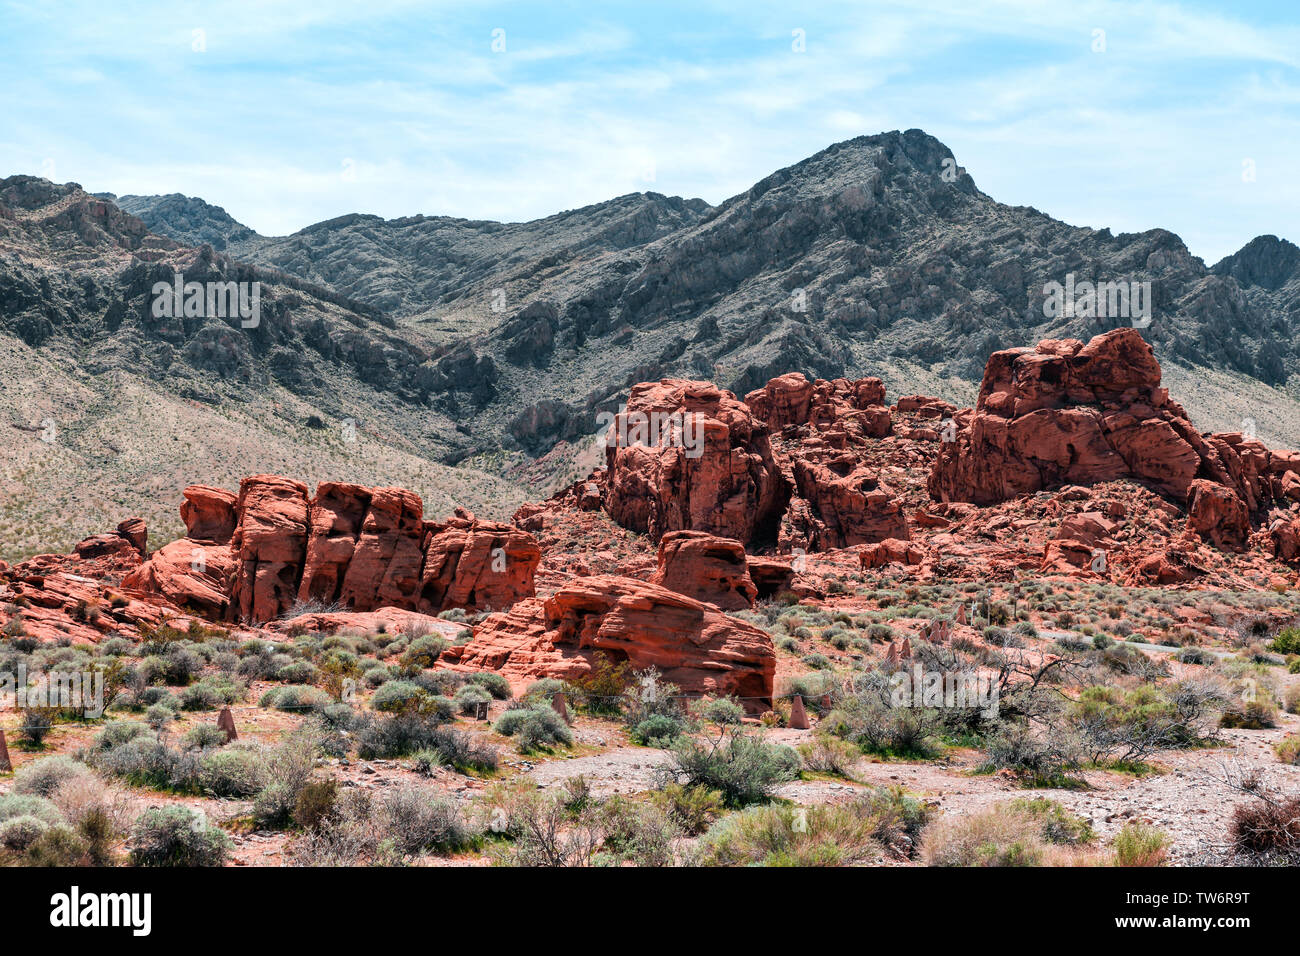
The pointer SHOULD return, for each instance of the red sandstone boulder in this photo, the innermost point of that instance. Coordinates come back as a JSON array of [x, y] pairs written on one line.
[[891, 550], [209, 514], [1068, 413], [1216, 513], [770, 576], [388, 620], [1284, 536], [270, 541], [477, 565], [849, 505], [708, 568], [135, 531], [687, 455], [693, 644], [791, 400]]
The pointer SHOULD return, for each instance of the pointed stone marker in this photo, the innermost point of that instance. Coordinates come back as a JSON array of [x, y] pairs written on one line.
[[561, 706], [960, 616], [798, 716], [906, 651], [891, 657], [5, 765], [226, 722]]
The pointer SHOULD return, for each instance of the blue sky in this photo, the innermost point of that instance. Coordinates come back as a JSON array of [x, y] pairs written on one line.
[[287, 113]]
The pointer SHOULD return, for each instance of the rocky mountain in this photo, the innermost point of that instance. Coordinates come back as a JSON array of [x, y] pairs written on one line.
[[877, 256], [496, 349], [112, 402]]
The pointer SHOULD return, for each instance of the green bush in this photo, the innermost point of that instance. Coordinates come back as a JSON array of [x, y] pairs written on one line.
[[657, 730], [234, 771], [203, 736], [177, 836], [396, 695], [18, 833], [42, 777], [743, 769]]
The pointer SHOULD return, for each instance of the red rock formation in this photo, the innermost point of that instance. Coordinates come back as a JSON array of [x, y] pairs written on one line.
[[390, 620], [270, 541], [770, 576], [357, 547], [791, 400], [694, 645], [849, 503], [1216, 513], [689, 456], [889, 551], [707, 568], [1065, 412], [480, 565]]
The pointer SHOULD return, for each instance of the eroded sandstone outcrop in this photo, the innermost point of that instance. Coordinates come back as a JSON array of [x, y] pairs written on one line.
[[1069, 413], [694, 645], [707, 568], [687, 455], [256, 556]]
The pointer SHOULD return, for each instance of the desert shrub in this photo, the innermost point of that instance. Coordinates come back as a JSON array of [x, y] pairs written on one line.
[[1286, 641], [212, 692], [883, 823], [177, 836], [543, 690], [693, 809], [296, 698], [721, 712], [42, 777], [235, 771], [1291, 700], [997, 837], [315, 803], [396, 695], [534, 728], [1268, 826], [494, 684], [1057, 824], [417, 820], [18, 833], [462, 750], [376, 675], [35, 724], [639, 833], [470, 696], [1255, 714], [658, 730], [119, 732], [601, 691], [1042, 758], [400, 734], [1140, 844], [1192, 655], [743, 769], [203, 736], [1116, 724], [1288, 749], [423, 652], [829, 754], [298, 672]]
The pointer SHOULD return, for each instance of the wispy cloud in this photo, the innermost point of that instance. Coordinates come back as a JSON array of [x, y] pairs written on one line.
[[287, 113]]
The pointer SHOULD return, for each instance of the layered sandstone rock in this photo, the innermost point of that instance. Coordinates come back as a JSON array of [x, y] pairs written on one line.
[[474, 564], [693, 644], [1065, 412], [708, 568], [270, 543], [254, 557], [792, 400], [687, 455]]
